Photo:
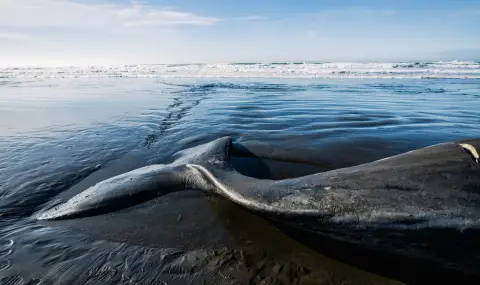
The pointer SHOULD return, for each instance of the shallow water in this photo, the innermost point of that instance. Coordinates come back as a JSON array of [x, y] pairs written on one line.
[[60, 133]]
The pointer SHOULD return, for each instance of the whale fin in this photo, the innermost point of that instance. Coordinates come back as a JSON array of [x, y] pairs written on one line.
[[215, 154]]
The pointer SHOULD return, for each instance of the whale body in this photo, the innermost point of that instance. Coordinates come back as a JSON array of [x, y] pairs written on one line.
[[398, 204], [433, 186]]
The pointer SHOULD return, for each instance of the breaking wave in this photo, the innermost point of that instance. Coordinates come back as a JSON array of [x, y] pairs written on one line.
[[421, 70]]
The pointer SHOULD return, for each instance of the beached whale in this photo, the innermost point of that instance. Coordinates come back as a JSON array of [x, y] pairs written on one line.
[[437, 186], [404, 203]]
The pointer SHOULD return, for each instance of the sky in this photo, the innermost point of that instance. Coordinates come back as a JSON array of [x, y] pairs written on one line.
[[103, 32]]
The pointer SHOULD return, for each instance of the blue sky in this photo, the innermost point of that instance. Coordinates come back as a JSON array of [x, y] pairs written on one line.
[[82, 32]]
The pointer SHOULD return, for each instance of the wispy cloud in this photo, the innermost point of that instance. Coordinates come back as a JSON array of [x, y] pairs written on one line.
[[68, 13], [138, 14]]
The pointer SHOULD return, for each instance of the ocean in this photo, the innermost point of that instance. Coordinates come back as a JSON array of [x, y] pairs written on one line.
[[64, 128]]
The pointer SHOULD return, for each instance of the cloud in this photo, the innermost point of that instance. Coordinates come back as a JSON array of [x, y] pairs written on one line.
[[68, 13], [138, 14]]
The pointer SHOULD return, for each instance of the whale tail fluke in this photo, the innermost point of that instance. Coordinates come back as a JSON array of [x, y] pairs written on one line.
[[145, 183]]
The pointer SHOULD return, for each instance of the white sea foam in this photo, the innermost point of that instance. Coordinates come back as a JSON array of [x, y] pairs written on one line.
[[452, 69]]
